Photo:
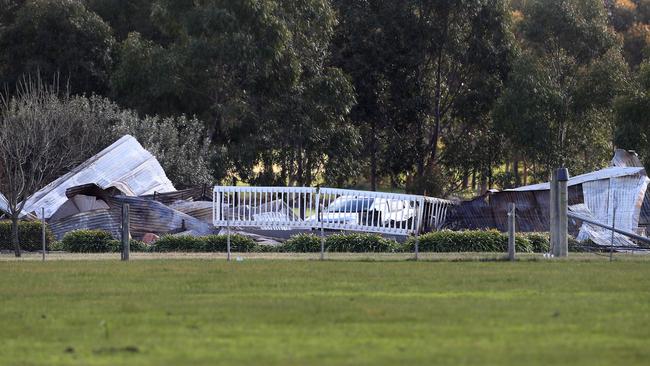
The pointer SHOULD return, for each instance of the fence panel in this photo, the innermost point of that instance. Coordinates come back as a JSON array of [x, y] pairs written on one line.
[[284, 208], [269, 208], [386, 213], [435, 213]]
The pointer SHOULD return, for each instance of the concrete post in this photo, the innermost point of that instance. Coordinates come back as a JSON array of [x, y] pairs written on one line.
[[562, 248], [553, 224], [512, 220]]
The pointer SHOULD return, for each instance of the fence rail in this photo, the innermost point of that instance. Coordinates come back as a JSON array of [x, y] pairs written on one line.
[[284, 208]]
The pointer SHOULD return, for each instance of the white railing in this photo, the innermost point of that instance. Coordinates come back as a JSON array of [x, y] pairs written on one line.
[[284, 208], [386, 213], [435, 213], [271, 208]]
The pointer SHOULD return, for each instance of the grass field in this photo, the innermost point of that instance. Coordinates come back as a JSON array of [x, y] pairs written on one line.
[[279, 312]]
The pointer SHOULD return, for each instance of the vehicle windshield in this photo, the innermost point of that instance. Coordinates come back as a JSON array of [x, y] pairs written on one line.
[[350, 205]]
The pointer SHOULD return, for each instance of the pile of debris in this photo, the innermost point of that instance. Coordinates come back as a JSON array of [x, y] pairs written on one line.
[[618, 193], [91, 197]]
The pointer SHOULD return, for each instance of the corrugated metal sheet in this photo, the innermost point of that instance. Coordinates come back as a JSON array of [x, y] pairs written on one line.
[[624, 158], [201, 210], [125, 165], [606, 173], [491, 210], [106, 220], [198, 193], [148, 216]]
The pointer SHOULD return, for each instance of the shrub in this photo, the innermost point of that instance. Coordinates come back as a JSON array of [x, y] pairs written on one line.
[[238, 243], [471, 241], [353, 243], [211, 243], [301, 243], [539, 242], [359, 243], [88, 241], [29, 235], [181, 243], [135, 246]]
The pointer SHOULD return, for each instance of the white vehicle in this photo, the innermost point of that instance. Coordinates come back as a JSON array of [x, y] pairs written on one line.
[[368, 211]]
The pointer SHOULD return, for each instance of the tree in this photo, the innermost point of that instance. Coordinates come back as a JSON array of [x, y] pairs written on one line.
[[632, 111], [256, 73], [57, 36], [40, 137], [419, 67], [557, 107]]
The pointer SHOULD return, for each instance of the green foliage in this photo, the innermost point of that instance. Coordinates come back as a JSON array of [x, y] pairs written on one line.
[[211, 243], [57, 36], [557, 107], [349, 243], [238, 243], [88, 241], [478, 241], [360, 243], [29, 235], [632, 111], [301, 243], [180, 243]]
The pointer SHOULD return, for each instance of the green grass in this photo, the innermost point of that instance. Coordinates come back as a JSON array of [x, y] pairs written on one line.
[[207, 312]]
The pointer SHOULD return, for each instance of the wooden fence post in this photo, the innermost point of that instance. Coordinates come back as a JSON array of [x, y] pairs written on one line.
[[126, 245]]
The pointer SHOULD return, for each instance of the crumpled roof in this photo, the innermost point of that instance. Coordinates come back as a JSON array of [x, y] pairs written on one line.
[[125, 165], [611, 172]]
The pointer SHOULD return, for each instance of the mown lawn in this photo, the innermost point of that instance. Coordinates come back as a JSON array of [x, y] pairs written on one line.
[[266, 312]]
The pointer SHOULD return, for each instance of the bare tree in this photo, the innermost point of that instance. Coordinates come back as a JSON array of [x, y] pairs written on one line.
[[43, 133]]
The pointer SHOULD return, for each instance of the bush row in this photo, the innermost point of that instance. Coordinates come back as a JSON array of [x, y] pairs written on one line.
[[29, 235], [351, 243], [93, 241], [479, 241]]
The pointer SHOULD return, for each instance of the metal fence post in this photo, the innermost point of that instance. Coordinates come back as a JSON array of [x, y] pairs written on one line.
[[322, 227], [228, 239], [611, 247], [126, 246], [43, 231], [562, 211], [511, 231]]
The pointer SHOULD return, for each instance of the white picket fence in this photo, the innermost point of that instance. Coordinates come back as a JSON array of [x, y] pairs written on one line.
[[285, 208]]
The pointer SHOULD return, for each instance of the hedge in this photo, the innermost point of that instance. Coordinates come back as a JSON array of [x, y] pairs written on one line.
[[483, 241], [211, 243], [95, 241], [351, 243], [29, 235], [480, 241]]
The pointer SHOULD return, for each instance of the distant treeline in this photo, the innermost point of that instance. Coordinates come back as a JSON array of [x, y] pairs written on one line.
[[435, 96]]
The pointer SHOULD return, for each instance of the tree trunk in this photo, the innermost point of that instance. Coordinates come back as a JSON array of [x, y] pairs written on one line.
[[373, 157], [14, 235], [515, 172], [525, 172]]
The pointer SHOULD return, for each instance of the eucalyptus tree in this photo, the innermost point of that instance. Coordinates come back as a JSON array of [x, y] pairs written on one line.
[[257, 74], [419, 68], [56, 36], [557, 107]]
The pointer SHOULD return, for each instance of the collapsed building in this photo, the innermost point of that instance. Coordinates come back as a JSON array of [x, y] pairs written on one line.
[[92, 194], [616, 195]]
